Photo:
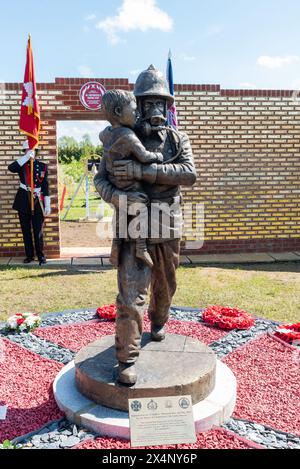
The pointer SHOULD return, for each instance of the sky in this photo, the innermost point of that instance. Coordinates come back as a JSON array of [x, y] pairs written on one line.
[[234, 43]]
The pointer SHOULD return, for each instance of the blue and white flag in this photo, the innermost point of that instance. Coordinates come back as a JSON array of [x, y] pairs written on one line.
[[172, 114]]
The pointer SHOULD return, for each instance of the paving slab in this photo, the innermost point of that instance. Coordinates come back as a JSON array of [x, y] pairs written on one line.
[[284, 256], [256, 257], [4, 260], [86, 261], [184, 260], [59, 261], [106, 262], [214, 258], [19, 261], [230, 258]]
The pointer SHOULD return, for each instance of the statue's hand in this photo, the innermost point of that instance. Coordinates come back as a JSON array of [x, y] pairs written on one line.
[[127, 170]]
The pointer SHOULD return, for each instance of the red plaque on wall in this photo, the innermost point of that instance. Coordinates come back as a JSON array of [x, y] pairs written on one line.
[[90, 95]]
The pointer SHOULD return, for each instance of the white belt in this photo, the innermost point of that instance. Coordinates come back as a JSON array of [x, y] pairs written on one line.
[[37, 190]]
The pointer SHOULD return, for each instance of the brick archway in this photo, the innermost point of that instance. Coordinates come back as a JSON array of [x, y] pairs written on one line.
[[247, 152]]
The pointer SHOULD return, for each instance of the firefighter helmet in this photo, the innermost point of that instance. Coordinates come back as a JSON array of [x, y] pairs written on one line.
[[151, 82]]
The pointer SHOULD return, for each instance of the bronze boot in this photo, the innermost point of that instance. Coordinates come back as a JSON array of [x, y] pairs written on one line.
[[157, 333], [127, 373]]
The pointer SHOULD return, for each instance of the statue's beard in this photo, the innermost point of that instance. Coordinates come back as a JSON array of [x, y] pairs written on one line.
[[156, 121], [149, 124]]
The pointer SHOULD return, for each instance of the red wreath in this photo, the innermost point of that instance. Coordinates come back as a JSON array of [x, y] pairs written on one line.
[[289, 333], [107, 312], [227, 318]]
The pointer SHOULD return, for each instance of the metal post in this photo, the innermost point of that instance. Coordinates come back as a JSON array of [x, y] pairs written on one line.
[[87, 202], [101, 209], [74, 195]]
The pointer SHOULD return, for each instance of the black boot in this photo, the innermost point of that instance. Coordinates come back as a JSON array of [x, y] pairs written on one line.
[[28, 260], [42, 260]]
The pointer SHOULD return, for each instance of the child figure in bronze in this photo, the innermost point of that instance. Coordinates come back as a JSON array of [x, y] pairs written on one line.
[[120, 142]]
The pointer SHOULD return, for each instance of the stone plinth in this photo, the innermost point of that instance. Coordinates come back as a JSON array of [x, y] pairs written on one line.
[[214, 410], [179, 365]]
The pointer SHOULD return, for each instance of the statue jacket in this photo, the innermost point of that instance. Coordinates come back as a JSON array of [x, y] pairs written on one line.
[[160, 181]]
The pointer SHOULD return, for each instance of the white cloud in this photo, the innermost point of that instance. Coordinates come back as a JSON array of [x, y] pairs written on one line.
[[277, 61], [248, 85], [90, 17], [140, 15], [85, 71], [187, 58]]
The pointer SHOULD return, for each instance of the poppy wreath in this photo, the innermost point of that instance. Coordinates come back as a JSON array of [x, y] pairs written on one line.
[[23, 322], [107, 312], [227, 318], [289, 333]]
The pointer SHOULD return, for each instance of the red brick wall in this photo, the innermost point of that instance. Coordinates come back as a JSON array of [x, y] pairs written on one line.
[[246, 145], [247, 152]]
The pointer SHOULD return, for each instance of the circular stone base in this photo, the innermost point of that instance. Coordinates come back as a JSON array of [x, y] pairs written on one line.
[[179, 365], [215, 409]]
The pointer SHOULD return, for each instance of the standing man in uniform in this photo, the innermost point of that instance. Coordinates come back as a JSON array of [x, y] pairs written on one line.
[[22, 203], [161, 182]]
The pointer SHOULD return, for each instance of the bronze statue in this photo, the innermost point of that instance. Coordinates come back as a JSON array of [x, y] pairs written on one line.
[[161, 183]]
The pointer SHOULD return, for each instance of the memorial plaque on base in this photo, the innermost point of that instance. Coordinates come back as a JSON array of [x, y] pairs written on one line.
[[161, 421]]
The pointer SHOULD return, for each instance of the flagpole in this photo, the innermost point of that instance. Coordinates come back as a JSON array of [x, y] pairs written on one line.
[[31, 159], [30, 113], [172, 116]]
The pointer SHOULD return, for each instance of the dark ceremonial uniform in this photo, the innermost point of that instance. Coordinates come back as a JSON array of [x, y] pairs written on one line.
[[22, 204]]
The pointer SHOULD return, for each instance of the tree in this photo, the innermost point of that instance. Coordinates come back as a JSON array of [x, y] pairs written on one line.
[[70, 150]]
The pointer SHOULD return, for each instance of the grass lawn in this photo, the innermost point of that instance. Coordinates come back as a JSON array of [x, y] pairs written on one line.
[[78, 210], [265, 290]]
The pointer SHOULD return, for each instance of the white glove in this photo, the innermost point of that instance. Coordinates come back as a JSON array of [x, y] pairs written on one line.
[[47, 201], [29, 154]]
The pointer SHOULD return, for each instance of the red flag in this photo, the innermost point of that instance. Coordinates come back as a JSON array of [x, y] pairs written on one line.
[[30, 112]]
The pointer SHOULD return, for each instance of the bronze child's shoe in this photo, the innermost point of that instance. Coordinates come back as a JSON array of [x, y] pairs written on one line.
[[127, 373], [142, 252], [157, 333]]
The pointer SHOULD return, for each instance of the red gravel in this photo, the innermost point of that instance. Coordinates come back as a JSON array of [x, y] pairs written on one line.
[[268, 376], [75, 336], [26, 388], [213, 439], [193, 329]]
